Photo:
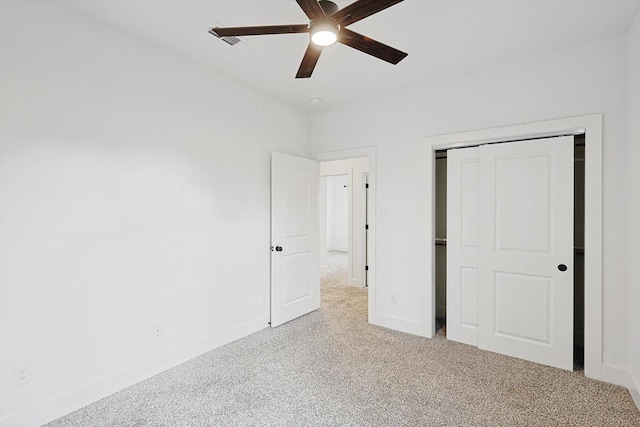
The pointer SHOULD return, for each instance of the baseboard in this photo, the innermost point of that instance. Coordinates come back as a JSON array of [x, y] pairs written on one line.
[[634, 389], [63, 405], [355, 284], [615, 375], [398, 324]]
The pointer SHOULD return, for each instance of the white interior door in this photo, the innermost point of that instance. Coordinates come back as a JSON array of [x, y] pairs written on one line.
[[526, 250], [462, 245], [295, 262]]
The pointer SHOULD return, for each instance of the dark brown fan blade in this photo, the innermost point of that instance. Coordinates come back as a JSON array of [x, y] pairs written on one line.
[[312, 9], [257, 31], [361, 9], [370, 46], [309, 61]]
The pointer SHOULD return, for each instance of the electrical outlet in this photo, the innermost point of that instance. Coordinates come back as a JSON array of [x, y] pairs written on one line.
[[156, 332], [22, 375], [394, 299]]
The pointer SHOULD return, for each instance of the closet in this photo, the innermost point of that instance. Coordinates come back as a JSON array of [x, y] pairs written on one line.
[[510, 248]]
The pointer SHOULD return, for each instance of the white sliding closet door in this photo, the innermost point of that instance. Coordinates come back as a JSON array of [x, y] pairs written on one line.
[[510, 249], [526, 250], [462, 245]]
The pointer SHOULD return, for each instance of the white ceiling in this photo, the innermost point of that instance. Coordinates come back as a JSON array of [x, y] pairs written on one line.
[[442, 37]]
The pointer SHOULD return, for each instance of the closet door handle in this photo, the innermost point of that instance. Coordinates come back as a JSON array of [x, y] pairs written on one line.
[[562, 267], [278, 248]]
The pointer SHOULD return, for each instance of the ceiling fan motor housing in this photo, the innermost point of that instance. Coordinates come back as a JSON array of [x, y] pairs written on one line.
[[328, 7]]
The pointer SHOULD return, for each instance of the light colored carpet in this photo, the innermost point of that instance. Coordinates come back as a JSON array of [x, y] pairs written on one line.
[[331, 367], [335, 272]]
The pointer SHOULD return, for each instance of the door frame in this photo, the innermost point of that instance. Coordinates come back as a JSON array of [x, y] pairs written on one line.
[[591, 126], [355, 153]]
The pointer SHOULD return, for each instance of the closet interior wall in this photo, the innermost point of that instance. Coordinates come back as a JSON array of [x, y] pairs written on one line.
[[578, 243], [441, 234]]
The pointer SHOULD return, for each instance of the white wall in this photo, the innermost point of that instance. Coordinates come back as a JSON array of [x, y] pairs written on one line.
[[337, 213], [633, 209], [131, 180], [578, 81]]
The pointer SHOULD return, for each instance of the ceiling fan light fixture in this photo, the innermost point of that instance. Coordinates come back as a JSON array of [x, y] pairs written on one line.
[[324, 34], [327, 25]]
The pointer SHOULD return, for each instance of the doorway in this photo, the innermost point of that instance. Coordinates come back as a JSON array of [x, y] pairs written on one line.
[[296, 228], [463, 325], [591, 127], [368, 241], [343, 215]]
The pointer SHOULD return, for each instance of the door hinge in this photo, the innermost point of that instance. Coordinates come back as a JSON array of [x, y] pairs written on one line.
[[366, 226], [366, 185], [366, 268]]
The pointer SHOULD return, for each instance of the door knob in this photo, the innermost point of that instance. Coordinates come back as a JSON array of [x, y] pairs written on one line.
[[562, 267], [278, 248]]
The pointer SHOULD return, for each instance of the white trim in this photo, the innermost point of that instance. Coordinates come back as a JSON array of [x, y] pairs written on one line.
[[65, 404], [592, 126], [615, 375], [407, 326], [355, 153], [634, 389]]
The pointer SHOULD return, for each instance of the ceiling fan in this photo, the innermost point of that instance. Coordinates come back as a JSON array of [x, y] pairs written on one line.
[[327, 25]]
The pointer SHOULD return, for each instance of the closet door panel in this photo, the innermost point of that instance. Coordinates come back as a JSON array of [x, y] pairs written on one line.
[[462, 245], [522, 184], [526, 250]]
